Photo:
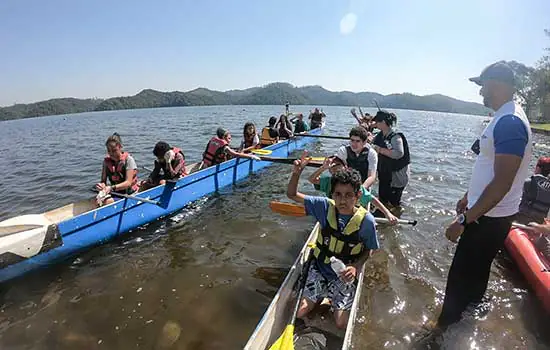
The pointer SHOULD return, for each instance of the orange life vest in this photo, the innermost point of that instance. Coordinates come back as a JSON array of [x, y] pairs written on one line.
[[174, 163], [116, 172], [214, 153]]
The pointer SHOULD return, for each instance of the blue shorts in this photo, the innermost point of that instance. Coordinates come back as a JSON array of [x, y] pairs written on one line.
[[318, 287]]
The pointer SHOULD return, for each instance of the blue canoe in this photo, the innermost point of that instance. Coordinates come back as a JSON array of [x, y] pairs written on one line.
[[39, 240]]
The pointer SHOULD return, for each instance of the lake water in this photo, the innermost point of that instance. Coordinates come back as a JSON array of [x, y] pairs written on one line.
[[202, 278]]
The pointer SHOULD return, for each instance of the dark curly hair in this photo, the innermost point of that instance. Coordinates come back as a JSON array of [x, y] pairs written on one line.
[[346, 177], [360, 132], [161, 148]]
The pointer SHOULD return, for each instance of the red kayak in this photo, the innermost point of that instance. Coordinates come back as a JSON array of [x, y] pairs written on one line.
[[532, 264]]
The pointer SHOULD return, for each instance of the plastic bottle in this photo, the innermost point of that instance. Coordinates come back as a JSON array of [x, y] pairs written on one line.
[[338, 266]]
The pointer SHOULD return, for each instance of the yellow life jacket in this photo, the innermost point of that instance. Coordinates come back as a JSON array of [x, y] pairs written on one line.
[[345, 244], [266, 139]]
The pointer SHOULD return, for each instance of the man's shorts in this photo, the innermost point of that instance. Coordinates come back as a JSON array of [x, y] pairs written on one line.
[[318, 287]]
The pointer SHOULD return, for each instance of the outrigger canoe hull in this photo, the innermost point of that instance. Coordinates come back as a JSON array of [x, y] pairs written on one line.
[[84, 230]]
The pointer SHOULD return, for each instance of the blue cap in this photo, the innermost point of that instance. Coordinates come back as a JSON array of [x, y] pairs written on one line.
[[499, 71]]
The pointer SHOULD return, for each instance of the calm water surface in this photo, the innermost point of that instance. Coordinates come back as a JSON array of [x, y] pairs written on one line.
[[202, 278]]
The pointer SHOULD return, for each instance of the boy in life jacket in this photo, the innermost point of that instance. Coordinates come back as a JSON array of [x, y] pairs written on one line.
[[218, 151], [322, 182], [535, 201], [119, 168], [360, 155], [169, 165], [270, 134], [348, 232]]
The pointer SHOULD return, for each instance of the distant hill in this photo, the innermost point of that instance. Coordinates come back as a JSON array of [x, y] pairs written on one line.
[[49, 107], [271, 94]]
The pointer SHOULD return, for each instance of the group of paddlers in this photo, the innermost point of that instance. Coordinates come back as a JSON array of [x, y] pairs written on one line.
[[120, 172]]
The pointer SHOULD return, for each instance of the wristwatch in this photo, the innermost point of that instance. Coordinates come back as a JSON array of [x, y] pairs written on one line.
[[461, 219]]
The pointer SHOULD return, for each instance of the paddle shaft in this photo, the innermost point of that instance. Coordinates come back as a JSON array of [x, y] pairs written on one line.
[[288, 161], [127, 196], [303, 279], [377, 105], [292, 209], [324, 136], [399, 221]]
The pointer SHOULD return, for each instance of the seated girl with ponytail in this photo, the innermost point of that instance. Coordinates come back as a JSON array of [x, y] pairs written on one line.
[[119, 168]]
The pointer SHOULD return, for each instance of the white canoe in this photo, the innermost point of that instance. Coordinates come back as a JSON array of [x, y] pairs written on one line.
[[277, 315]]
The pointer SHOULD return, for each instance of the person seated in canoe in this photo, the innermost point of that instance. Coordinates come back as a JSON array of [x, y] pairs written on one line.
[[348, 232], [251, 140], [322, 182], [535, 201], [218, 150], [360, 155], [119, 168], [169, 165], [540, 234], [365, 120], [270, 134], [284, 127], [299, 124], [316, 118]]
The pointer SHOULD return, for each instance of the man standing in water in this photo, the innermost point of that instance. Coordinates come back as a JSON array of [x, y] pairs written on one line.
[[486, 211]]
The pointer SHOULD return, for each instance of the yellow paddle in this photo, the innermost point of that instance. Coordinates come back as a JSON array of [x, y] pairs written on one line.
[[263, 152], [286, 340]]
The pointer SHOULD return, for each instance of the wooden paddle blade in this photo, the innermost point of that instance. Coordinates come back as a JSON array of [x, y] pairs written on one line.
[[288, 209], [286, 340]]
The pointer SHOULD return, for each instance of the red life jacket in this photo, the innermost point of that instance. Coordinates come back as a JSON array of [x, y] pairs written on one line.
[[214, 153], [116, 172], [174, 162]]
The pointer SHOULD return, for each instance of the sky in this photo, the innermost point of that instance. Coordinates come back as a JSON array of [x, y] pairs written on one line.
[[68, 48]]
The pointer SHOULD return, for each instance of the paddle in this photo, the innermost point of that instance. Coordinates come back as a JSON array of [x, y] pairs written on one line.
[[127, 196], [521, 226], [286, 340], [291, 209], [291, 161], [266, 152], [377, 105], [324, 136]]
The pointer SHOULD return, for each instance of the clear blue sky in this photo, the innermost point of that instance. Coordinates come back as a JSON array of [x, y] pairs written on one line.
[[99, 48]]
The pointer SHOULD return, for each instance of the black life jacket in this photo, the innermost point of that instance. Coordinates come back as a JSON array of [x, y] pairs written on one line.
[[359, 162], [385, 163], [345, 244], [538, 194]]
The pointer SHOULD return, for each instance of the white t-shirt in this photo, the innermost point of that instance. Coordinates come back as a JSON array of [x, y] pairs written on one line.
[[255, 141], [508, 132], [372, 156]]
